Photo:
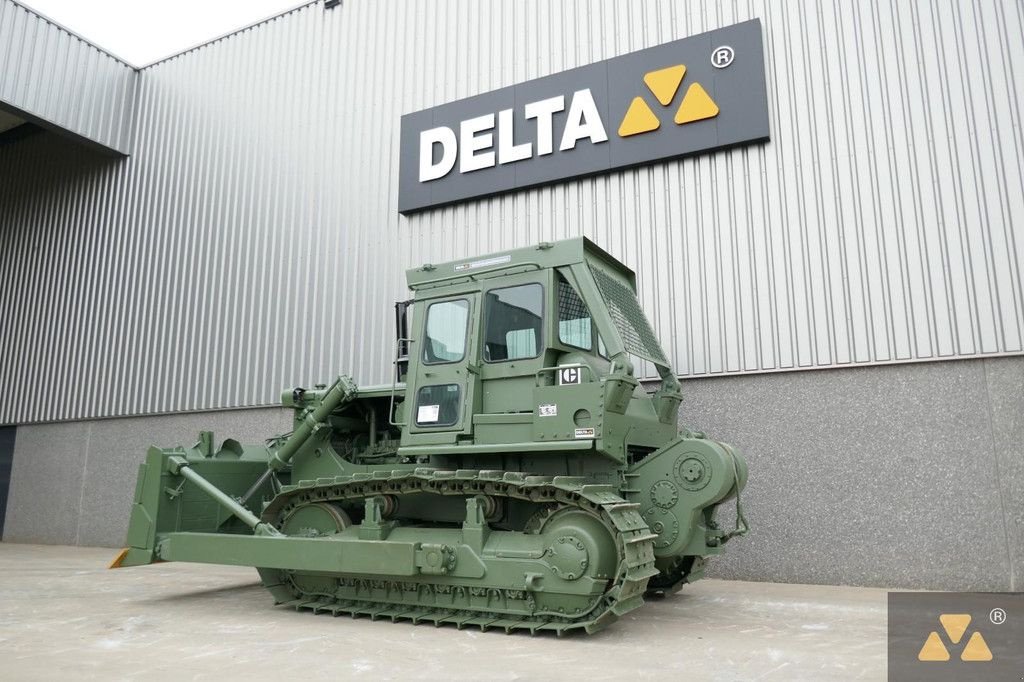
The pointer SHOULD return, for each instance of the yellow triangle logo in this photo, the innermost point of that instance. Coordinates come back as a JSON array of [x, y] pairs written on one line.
[[955, 625], [976, 649], [697, 105], [933, 649], [664, 82], [638, 119]]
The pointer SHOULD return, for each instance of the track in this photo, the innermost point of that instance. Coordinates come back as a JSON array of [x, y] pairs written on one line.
[[470, 602]]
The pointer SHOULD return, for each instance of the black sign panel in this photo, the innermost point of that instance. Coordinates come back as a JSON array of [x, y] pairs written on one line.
[[692, 95]]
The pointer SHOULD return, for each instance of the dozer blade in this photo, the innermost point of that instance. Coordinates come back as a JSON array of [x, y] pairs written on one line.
[[165, 502]]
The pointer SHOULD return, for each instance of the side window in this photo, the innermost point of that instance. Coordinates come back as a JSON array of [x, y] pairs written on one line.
[[513, 320], [446, 331], [574, 327], [438, 405]]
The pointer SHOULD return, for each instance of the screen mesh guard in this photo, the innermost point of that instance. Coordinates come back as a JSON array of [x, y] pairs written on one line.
[[630, 321]]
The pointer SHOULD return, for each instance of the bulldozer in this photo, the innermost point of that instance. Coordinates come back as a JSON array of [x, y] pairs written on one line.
[[514, 474]]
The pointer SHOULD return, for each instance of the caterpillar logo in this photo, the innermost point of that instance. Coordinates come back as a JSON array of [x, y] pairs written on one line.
[[955, 625], [688, 96], [697, 104]]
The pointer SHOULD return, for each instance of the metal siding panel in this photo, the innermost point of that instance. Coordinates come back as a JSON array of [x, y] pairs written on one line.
[[251, 241], [58, 78]]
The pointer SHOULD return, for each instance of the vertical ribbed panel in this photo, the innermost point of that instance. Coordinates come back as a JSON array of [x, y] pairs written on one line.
[[55, 78], [251, 240]]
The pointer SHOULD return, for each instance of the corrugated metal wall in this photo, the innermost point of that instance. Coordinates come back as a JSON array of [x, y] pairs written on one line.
[[251, 240], [57, 78]]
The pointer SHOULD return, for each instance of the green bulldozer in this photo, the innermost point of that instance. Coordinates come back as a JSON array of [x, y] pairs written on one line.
[[515, 474]]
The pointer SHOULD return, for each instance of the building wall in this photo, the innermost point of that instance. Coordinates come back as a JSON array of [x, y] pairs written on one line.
[[251, 239], [56, 79], [908, 476]]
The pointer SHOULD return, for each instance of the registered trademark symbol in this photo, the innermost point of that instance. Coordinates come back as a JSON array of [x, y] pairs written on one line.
[[997, 616], [722, 56]]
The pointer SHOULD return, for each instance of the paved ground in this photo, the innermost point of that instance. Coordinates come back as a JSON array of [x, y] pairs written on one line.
[[62, 614]]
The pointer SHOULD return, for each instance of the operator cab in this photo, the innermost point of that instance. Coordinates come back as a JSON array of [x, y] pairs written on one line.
[[498, 342]]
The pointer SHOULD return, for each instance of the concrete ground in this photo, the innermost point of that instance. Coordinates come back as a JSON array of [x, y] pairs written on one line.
[[63, 615]]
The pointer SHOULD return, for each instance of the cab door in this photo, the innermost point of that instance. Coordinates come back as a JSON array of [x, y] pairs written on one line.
[[444, 377]]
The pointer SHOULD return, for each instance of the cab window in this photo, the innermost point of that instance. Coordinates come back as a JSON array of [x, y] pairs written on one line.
[[438, 405], [446, 331], [513, 321], [574, 324]]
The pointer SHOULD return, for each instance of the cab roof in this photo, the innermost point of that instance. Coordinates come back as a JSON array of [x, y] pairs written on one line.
[[541, 256]]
